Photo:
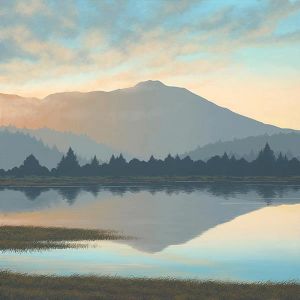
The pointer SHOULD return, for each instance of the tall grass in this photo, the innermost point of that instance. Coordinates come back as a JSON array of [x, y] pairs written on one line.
[[22, 238]]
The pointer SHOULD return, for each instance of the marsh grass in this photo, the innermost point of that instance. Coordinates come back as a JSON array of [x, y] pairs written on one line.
[[22, 286], [25, 238]]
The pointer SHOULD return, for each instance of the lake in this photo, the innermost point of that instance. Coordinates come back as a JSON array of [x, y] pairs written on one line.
[[239, 232]]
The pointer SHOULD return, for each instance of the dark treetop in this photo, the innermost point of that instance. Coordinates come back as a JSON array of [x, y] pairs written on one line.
[[266, 164]]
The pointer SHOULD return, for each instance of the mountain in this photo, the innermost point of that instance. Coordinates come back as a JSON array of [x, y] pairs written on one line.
[[83, 146], [16, 146], [287, 143], [149, 118]]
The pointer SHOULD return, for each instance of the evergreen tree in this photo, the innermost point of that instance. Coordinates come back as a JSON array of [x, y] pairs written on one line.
[[117, 165], [188, 167], [112, 160], [169, 165], [213, 165], [91, 169], [293, 168], [225, 167], [153, 167], [281, 165], [267, 155], [68, 166], [121, 161], [30, 167], [95, 162], [265, 162]]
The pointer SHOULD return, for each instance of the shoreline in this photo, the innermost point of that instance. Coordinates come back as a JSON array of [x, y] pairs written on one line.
[[25, 286], [172, 180]]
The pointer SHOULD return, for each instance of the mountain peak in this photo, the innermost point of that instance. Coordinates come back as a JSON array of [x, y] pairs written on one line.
[[150, 84]]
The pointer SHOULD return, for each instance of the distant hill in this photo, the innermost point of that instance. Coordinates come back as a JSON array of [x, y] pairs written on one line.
[[82, 145], [149, 118], [16, 146], [287, 143]]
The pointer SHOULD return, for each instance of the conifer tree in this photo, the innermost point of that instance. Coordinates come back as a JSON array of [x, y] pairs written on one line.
[[265, 162], [68, 166]]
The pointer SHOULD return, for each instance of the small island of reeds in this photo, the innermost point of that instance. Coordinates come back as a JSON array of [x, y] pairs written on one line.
[[25, 238]]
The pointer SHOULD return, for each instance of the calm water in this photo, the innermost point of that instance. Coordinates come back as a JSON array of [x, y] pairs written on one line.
[[228, 232]]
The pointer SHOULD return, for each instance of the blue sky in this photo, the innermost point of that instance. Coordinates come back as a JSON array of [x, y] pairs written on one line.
[[213, 47]]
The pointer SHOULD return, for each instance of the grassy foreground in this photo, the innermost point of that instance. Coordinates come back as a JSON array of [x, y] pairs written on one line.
[[22, 286], [22, 238]]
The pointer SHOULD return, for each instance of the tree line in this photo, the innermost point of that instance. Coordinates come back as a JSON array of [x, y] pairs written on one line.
[[266, 164]]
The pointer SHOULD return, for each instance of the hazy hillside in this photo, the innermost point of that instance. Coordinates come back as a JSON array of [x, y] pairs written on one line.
[[288, 143], [15, 147], [84, 146], [150, 118]]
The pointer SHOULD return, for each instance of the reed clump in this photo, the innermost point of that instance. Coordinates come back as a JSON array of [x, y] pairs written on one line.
[[25, 238]]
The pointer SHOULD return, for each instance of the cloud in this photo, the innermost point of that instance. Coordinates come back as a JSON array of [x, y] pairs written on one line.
[[30, 7], [81, 43]]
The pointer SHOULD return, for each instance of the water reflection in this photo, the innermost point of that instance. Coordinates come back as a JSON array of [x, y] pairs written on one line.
[[159, 215], [262, 245], [226, 190]]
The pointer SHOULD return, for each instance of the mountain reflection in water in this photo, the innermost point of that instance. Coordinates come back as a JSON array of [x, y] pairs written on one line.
[[158, 215]]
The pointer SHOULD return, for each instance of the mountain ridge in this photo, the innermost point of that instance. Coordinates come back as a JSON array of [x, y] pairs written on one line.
[[83, 146], [149, 118], [16, 146], [286, 143]]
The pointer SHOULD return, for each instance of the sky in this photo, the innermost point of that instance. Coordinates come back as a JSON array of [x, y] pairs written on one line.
[[243, 55]]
